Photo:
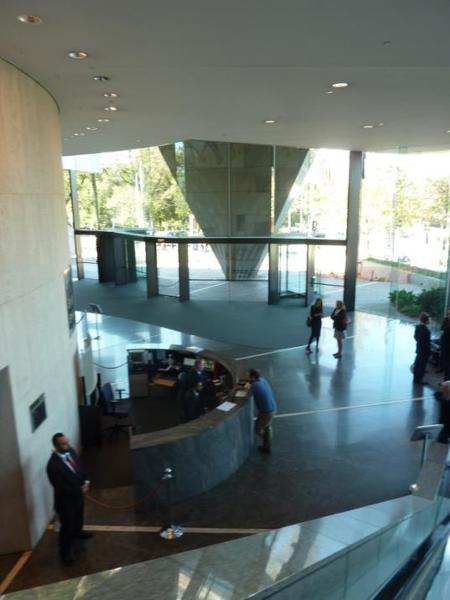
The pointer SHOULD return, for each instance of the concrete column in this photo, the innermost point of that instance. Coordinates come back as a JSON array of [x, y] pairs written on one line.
[[351, 257], [310, 273], [105, 257], [76, 223], [152, 269], [183, 272], [37, 349], [274, 274], [124, 260], [229, 188]]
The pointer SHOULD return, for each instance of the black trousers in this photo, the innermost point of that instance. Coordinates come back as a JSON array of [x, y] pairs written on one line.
[[70, 512], [420, 365]]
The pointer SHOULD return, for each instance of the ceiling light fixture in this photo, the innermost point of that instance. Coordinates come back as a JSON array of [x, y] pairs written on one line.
[[101, 78], [110, 95], [30, 19], [269, 121], [330, 92], [77, 54], [103, 120], [92, 128], [368, 126], [340, 84], [448, 131], [111, 108]]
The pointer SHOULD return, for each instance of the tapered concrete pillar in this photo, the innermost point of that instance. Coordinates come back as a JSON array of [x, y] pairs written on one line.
[[353, 206], [237, 190]]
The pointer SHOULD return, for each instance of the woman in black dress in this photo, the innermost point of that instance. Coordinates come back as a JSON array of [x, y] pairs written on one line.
[[315, 322]]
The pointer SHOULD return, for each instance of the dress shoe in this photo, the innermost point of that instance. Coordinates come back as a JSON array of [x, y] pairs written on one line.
[[84, 535]]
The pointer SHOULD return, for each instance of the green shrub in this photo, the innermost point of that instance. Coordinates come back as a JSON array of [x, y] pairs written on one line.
[[411, 304]]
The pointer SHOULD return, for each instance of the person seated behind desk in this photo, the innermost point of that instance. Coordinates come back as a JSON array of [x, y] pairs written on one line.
[[171, 368], [192, 402], [197, 372]]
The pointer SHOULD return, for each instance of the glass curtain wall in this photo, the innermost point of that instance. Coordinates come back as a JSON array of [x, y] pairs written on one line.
[[317, 202], [403, 252]]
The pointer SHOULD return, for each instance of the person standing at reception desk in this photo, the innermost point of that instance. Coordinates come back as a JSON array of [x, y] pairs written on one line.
[[264, 399]]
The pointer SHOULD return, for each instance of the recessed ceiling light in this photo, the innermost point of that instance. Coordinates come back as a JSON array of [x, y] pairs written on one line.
[[111, 108], [78, 54], [103, 120], [330, 92], [101, 78], [368, 126], [30, 19], [92, 128], [269, 121], [110, 95], [380, 124], [340, 84], [448, 131]]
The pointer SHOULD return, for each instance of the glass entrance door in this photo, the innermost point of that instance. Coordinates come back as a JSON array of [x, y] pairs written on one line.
[[292, 268]]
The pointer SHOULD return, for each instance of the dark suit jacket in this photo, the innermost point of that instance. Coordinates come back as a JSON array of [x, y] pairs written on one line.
[[423, 339], [66, 483]]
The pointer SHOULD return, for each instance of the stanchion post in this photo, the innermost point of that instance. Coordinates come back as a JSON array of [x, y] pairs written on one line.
[[169, 531]]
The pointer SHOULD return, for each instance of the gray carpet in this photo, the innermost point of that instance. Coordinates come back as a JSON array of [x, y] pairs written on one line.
[[210, 313]]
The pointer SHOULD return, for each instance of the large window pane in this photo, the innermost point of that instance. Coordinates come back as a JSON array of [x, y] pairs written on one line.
[[403, 252]]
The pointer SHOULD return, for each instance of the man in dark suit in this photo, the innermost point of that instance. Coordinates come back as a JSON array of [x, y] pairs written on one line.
[[69, 481]]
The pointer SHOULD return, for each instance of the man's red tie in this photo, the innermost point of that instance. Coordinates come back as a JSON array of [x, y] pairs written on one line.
[[71, 462]]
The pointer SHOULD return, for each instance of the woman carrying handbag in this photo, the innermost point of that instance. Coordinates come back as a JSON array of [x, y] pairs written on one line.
[[315, 322]]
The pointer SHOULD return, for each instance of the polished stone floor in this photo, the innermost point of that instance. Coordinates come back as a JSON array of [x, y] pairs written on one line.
[[341, 440]]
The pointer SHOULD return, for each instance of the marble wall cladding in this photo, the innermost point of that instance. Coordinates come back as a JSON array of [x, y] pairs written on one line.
[[36, 345], [199, 461]]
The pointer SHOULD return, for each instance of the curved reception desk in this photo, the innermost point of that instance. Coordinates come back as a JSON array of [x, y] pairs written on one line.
[[202, 452]]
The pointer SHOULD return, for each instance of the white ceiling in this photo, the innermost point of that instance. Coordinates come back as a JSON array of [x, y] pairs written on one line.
[[211, 69]]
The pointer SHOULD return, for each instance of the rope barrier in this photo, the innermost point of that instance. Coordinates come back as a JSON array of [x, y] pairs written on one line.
[[80, 319], [151, 495], [117, 367]]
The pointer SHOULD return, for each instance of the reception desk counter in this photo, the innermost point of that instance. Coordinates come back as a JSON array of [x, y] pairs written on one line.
[[202, 453]]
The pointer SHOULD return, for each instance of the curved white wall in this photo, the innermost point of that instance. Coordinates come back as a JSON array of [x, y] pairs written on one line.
[[36, 349]]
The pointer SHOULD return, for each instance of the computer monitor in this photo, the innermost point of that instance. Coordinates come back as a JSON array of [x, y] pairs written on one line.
[[138, 357], [188, 361]]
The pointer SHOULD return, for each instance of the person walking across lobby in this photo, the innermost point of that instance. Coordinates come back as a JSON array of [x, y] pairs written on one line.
[[315, 322], [339, 317], [260, 390], [70, 484], [423, 346]]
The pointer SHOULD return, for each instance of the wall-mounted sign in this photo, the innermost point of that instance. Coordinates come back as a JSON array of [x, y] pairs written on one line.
[[38, 412]]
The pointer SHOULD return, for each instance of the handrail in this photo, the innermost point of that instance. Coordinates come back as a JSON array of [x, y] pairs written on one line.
[[269, 239]]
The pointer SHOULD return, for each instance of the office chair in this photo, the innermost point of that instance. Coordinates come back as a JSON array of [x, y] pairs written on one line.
[[118, 409]]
